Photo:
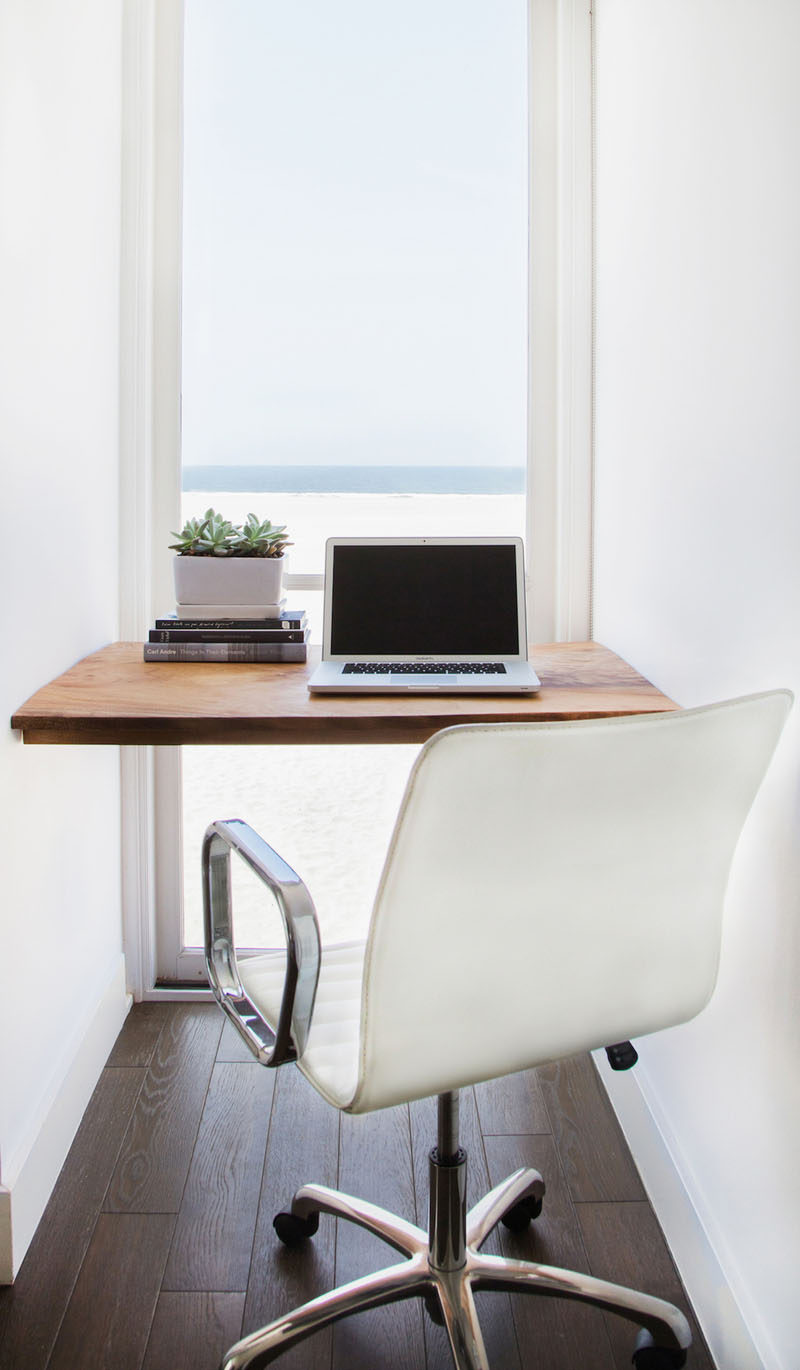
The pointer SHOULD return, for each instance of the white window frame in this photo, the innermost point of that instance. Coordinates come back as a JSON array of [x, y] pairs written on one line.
[[560, 427]]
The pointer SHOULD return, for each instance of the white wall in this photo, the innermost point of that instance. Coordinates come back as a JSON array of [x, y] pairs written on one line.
[[698, 569], [61, 982]]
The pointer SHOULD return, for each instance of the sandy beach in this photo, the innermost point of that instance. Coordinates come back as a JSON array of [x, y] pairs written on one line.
[[311, 519]]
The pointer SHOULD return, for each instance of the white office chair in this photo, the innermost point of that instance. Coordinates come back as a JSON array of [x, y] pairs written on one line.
[[549, 887]]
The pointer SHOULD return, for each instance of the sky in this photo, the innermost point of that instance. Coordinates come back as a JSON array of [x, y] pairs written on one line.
[[355, 232]]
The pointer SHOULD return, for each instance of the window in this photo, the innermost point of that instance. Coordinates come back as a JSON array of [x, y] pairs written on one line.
[[357, 309], [354, 338], [355, 264]]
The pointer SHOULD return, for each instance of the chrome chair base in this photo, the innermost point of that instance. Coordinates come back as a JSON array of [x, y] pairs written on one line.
[[460, 1269]]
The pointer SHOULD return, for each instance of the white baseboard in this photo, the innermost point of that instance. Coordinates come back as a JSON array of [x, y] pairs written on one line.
[[6, 1260], [724, 1328], [31, 1177]]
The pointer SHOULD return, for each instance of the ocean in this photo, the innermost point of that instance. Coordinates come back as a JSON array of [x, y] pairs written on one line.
[[368, 480]]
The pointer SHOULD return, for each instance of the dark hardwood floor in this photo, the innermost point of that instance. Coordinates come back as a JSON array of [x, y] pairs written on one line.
[[156, 1250]]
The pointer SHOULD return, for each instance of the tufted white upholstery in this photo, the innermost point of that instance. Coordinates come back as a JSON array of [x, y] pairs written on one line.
[[330, 1059], [549, 887]]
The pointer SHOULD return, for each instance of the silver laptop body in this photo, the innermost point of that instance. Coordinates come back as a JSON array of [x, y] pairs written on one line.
[[424, 614]]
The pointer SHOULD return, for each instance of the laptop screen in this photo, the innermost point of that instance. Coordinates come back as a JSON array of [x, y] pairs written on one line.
[[424, 598]]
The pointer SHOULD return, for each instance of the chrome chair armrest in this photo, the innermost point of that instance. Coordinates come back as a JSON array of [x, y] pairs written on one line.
[[287, 1039]]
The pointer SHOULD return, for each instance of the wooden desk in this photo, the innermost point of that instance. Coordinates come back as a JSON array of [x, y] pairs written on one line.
[[113, 696]]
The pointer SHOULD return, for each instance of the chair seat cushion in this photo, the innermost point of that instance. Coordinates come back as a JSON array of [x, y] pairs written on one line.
[[330, 1060]]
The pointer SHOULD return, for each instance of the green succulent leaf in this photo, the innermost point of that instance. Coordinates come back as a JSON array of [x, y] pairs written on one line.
[[189, 537]]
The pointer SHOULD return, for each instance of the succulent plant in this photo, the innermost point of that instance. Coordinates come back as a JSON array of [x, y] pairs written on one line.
[[260, 538], [189, 537], [218, 538], [215, 536]]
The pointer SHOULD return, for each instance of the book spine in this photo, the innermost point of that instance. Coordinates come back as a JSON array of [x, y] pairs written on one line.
[[227, 635], [220, 624], [225, 651]]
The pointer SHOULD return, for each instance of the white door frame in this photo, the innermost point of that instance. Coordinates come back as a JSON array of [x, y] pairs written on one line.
[[559, 514], [152, 52]]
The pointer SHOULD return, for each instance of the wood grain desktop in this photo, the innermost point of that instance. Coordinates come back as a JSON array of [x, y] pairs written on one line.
[[113, 696]]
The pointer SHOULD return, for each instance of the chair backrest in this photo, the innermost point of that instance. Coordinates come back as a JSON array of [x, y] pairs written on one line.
[[552, 887]]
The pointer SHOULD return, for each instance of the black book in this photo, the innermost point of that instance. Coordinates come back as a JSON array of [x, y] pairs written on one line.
[[293, 618], [175, 634], [225, 651]]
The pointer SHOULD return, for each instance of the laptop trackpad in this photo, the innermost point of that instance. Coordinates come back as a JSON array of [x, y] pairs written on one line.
[[425, 681]]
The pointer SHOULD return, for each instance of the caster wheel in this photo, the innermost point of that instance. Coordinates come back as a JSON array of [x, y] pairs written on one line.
[[648, 1356], [523, 1213], [291, 1230], [434, 1309]]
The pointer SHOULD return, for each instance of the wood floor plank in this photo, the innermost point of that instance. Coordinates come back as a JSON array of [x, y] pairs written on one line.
[[375, 1163], [192, 1331], [512, 1104], [303, 1146], [494, 1310], [593, 1152], [32, 1308], [558, 1334], [213, 1238], [625, 1244], [157, 1151], [139, 1035], [231, 1045], [107, 1323]]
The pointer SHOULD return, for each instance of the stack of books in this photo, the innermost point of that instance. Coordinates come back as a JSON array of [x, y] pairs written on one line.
[[229, 632]]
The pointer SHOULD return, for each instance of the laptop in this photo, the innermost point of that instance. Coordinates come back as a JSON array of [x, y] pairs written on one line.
[[424, 614]]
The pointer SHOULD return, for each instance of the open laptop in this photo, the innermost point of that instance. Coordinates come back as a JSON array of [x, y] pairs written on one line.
[[423, 614]]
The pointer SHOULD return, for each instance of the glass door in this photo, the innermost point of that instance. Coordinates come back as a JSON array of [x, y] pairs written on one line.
[[354, 355]]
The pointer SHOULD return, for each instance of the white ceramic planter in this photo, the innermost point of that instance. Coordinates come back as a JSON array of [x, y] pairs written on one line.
[[228, 580]]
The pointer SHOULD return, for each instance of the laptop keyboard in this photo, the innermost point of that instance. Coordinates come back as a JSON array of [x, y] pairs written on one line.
[[424, 668]]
